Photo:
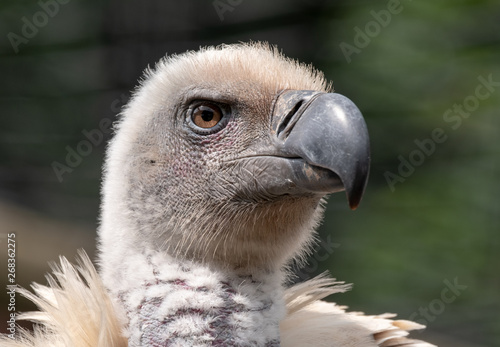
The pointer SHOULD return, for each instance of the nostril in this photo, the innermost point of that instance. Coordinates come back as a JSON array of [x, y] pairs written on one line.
[[288, 118]]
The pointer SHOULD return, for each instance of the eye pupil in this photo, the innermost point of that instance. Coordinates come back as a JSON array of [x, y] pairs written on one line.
[[206, 115]]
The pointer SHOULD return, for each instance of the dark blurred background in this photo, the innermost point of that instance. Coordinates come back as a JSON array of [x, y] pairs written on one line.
[[425, 241]]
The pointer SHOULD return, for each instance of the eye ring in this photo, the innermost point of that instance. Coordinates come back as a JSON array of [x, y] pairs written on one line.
[[207, 117]]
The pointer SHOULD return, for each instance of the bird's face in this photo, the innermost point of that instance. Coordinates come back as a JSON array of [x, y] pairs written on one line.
[[227, 154]]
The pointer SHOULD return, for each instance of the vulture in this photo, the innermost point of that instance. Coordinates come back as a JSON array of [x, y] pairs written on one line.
[[213, 183]]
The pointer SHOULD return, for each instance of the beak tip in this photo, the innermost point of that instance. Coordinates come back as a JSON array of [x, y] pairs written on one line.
[[356, 190], [353, 202]]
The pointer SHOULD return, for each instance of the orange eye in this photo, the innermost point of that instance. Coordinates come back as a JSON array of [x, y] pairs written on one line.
[[206, 115]]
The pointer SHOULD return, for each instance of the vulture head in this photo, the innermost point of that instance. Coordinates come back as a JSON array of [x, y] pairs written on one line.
[[224, 155]]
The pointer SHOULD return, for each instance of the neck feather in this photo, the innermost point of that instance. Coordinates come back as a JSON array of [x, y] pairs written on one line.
[[169, 302]]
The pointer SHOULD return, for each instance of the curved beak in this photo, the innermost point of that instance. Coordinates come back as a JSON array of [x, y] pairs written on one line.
[[329, 134]]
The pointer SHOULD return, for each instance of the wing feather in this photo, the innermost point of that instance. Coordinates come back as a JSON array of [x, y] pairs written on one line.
[[75, 310], [313, 322]]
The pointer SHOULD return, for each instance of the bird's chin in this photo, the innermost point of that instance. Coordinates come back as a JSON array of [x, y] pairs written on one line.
[[294, 177]]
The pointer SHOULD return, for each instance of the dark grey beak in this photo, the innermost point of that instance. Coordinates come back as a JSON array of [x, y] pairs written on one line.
[[329, 133]]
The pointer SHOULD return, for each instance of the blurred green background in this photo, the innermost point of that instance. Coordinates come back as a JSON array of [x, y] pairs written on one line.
[[430, 219]]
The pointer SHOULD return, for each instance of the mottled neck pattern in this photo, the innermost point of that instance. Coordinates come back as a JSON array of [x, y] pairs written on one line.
[[190, 304]]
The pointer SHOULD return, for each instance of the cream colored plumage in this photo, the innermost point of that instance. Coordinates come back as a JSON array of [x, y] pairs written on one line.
[[75, 310], [196, 230]]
